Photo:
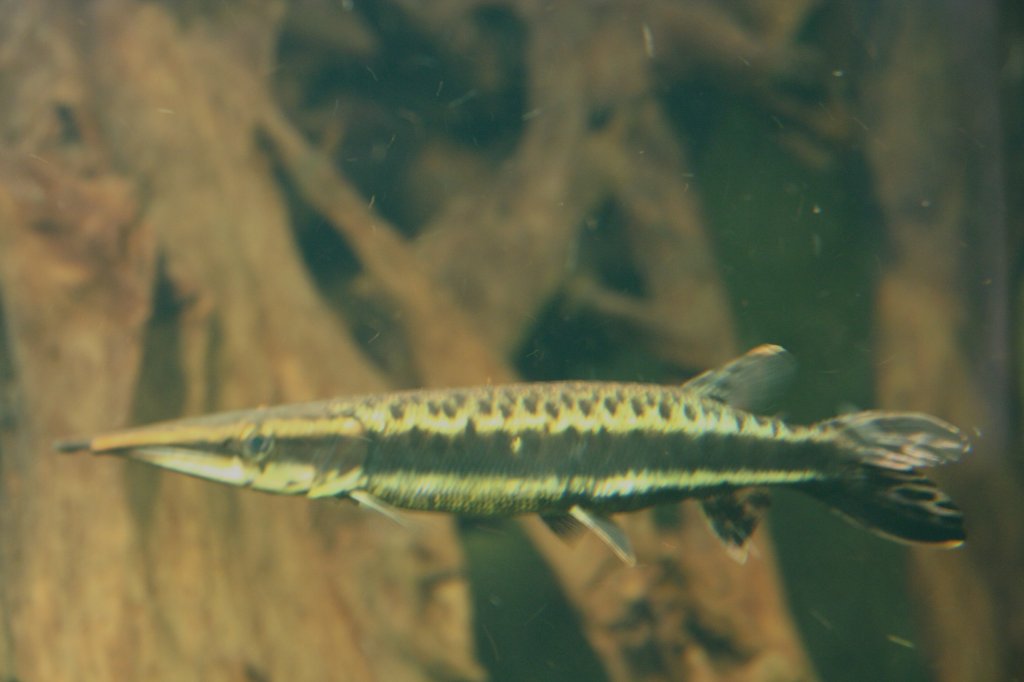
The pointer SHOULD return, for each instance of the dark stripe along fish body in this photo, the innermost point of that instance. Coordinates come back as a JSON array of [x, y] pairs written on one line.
[[544, 448]]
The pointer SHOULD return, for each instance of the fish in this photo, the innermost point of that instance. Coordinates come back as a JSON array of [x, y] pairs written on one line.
[[576, 453]]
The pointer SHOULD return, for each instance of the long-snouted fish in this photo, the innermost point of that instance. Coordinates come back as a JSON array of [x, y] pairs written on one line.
[[575, 452]]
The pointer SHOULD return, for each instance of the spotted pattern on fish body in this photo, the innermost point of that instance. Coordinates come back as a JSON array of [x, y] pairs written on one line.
[[539, 448], [554, 408]]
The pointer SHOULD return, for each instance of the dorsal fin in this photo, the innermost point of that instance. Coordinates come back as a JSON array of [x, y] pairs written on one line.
[[750, 382]]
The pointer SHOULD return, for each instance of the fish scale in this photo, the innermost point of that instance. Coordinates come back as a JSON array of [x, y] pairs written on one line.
[[555, 407]]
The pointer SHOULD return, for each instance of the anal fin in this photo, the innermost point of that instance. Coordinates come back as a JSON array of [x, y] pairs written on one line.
[[606, 529], [733, 518]]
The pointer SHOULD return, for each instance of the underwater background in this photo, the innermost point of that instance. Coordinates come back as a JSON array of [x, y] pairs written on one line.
[[208, 206]]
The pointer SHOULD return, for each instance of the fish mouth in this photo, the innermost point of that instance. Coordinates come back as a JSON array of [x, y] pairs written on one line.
[[185, 448], [280, 476], [205, 450], [204, 464]]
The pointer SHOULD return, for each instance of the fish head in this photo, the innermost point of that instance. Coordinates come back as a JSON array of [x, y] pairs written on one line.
[[263, 449], [228, 448]]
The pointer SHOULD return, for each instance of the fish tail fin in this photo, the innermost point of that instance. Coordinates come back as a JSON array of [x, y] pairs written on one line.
[[899, 505], [886, 494], [899, 441]]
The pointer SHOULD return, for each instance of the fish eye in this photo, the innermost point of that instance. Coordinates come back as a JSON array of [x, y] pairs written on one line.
[[256, 443]]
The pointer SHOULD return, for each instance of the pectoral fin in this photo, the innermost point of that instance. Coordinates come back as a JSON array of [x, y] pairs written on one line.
[[605, 528], [378, 505], [733, 518]]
